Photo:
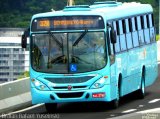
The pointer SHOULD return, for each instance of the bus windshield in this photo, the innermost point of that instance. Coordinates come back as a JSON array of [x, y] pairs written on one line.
[[68, 52]]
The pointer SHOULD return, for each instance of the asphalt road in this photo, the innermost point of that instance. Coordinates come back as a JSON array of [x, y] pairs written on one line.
[[128, 104]]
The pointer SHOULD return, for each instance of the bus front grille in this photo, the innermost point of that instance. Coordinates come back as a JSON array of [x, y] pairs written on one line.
[[66, 87], [70, 95], [69, 79]]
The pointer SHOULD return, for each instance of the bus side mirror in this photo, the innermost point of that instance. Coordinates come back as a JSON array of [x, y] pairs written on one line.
[[24, 38], [113, 36], [24, 41]]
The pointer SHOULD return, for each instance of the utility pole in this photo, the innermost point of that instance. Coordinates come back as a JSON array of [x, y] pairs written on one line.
[[70, 2]]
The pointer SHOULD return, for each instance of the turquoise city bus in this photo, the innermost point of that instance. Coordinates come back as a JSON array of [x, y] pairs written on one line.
[[84, 53]]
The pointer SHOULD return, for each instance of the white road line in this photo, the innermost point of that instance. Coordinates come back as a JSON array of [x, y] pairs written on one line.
[[140, 106], [130, 110], [26, 109], [153, 101], [112, 115], [29, 108], [155, 110], [136, 115]]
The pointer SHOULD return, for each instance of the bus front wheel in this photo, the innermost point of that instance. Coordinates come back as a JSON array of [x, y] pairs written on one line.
[[51, 107], [115, 103]]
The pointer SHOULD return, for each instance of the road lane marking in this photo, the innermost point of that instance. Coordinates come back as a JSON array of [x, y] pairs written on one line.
[[26, 109], [130, 110], [155, 110], [153, 101], [20, 111], [137, 114], [140, 106], [112, 115]]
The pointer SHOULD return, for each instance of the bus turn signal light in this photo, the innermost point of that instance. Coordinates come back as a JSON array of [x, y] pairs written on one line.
[[98, 95], [105, 77]]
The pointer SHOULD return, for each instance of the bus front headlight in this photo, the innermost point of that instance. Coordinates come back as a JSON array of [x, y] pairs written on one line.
[[99, 83], [39, 85]]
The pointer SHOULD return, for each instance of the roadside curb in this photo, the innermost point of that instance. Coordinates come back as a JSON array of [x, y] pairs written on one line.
[[15, 95]]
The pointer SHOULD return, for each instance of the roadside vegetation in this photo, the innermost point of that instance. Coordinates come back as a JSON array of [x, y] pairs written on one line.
[[18, 13], [24, 75], [157, 37]]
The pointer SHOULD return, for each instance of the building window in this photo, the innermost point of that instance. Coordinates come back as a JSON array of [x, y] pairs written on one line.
[[16, 49]]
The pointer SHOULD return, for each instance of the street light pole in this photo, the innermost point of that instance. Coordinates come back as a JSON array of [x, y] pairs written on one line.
[[70, 2]]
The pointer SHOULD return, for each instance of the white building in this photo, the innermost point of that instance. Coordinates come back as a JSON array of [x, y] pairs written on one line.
[[14, 60]]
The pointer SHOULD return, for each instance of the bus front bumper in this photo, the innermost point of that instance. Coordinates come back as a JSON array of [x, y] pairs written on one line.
[[100, 94]]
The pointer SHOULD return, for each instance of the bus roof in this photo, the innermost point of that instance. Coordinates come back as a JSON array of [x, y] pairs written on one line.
[[108, 10]]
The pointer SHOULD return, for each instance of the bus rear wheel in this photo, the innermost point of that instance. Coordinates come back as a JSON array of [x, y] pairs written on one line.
[[141, 91], [51, 107]]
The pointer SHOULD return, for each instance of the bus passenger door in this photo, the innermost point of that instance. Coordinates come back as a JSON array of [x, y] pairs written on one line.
[[111, 53]]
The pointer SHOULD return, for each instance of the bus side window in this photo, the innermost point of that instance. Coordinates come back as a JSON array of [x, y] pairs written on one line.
[[142, 21], [130, 25], [140, 31], [122, 37], [139, 23], [133, 24], [152, 29], [117, 28], [128, 34], [110, 45], [120, 27], [147, 17], [117, 45], [152, 19], [124, 26], [146, 30], [134, 34], [136, 24]]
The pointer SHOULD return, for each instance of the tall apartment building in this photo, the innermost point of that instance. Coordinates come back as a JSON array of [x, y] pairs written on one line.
[[14, 60]]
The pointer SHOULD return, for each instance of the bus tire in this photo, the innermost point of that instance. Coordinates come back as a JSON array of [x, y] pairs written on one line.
[[115, 103], [51, 107], [141, 91]]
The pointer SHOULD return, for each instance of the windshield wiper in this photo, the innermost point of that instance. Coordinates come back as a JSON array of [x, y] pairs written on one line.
[[59, 44], [54, 38], [80, 37], [57, 59]]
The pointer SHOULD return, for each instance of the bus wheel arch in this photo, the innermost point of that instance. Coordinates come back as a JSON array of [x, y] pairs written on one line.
[[119, 83], [141, 91], [143, 72], [115, 103]]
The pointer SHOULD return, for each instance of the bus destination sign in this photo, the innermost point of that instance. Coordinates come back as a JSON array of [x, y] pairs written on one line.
[[67, 23]]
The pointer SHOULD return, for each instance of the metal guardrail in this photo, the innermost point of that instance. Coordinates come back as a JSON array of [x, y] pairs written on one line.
[[15, 95]]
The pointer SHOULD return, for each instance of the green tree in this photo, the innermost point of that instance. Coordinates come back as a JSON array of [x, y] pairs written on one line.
[[18, 13], [24, 75]]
